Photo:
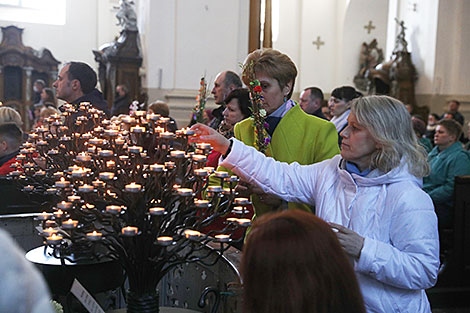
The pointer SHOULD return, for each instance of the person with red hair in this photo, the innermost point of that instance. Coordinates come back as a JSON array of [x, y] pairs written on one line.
[[293, 263]]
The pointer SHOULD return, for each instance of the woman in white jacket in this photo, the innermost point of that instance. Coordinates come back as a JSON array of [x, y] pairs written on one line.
[[371, 195]]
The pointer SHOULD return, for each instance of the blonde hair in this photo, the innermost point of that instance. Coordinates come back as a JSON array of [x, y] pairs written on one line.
[[10, 115], [390, 125], [272, 62]]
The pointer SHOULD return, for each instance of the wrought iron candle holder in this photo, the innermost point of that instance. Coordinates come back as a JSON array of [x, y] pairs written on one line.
[[126, 190]]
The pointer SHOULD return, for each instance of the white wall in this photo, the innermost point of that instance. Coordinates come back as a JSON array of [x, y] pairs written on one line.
[[88, 25]]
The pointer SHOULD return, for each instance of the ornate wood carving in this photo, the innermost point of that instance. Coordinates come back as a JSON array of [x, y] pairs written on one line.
[[20, 66]]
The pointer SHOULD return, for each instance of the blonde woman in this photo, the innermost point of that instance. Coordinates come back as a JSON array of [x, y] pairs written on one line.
[[370, 194]]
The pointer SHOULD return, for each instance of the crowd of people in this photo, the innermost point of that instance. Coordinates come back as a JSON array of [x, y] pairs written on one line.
[[348, 198]]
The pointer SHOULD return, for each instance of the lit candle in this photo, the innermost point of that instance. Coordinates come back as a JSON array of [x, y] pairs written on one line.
[[228, 191], [111, 132], [54, 239], [58, 214], [124, 158], [83, 157], [114, 209], [241, 201], [98, 129], [53, 152], [44, 216], [62, 183], [222, 238], [203, 145], [110, 164], [167, 135], [85, 188], [209, 169], [15, 173], [41, 143], [64, 205], [153, 116], [28, 188], [51, 191], [185, 192], [86, 136], [50, 223], [48, 232], [201, 203], [192, 234], [214, 189], [135, 149], [137, 129], [199, 158], [106, 175], [170, 165], [105, 153], [220, 174], [65, 138], [133, 187], [157, 168], [239, 210], [96, 141], [129, 231], [177, 154], [119, 141], [159, 130], [94, 236], [69, 224], [165, 240], [244, 222], [98, 183], [201, 172], [233, 179], [128, 119], [157, 211], [73, 198], [80, 172]]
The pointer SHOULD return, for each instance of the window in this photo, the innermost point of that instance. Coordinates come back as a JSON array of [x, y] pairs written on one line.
[[33, 11]]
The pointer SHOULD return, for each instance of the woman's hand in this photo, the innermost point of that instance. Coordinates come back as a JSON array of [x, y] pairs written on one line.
[[351, 242], [206, 134]]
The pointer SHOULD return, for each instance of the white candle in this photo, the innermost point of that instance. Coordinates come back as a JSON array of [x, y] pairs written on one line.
[[111, 132], [170, 165], [177, 154], [153, 116], [203, 145], [96, 141], [79, 173], [119, 141], [133, 187], [201, 203], [241, 201], [110, 164], [185, 192], [53, 152], [58, 214], [192, 234], [128, 119], [244, 222], [167, 135], [214, 189], [201, 172], [40, 173], [54, 239], [129, 231], [220, 174], [135, 149], [165, 240], [106, 175], [157, 168], [44, 216], [48, 232], [94, 236], [28, 188], [222, 238], [105, 153], [239, 210], [140, 113], [98, 183], [64, 205], [83, 157], [69, 224], [85, 188], [62, 183], [157, 211], [209, 169], [199, 158], [137, 129], [114, 209], [73, 198]]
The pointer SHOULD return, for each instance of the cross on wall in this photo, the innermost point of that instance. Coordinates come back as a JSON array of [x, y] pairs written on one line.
[[318, 43], [369, 27]]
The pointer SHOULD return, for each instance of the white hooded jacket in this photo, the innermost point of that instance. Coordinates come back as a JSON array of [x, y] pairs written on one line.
[[400, 257]]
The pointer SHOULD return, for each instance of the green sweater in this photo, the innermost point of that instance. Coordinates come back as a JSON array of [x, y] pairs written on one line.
[[298, 137]]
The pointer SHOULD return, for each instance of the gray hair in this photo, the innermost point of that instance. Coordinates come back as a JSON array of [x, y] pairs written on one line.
[[390, 125]]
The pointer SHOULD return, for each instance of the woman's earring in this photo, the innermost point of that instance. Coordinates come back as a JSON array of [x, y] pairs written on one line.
[[285, 98]]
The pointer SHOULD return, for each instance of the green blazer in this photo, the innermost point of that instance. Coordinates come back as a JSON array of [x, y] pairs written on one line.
[[298, 137]]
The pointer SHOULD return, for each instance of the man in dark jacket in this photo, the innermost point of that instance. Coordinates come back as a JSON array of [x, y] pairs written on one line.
[[121, 103], [76, 83]]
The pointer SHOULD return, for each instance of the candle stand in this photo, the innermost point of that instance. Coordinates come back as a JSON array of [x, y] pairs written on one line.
[[127, 191]]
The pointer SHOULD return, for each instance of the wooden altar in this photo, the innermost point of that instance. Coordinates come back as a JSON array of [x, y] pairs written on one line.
[[20, 66]]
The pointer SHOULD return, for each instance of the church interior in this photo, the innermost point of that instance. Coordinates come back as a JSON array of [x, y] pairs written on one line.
[[119, 205]]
